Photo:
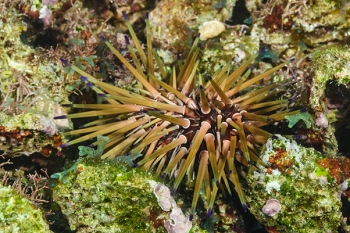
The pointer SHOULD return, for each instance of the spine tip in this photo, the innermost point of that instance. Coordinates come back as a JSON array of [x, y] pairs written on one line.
[[302, 137], [178, 56], [83, 78], [209, 213], [173, 191], [60, 117], [65, 62], [124, 16], [127, 41], [89, 85], [103, 38], [262, 50], [64, 145], [303, 109], [245, 208]]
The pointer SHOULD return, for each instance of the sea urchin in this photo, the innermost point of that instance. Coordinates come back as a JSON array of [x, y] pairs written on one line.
[[180, 123]]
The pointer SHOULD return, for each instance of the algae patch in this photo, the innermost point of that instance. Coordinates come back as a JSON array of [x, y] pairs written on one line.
[[308, 195], [108, 197], [17, 214]]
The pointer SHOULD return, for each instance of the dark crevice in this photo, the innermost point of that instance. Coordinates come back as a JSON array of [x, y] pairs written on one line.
[[58, 221], [240, 13], [338, 99]]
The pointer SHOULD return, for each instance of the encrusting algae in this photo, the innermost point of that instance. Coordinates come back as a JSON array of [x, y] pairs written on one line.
[[299, 190], [181, 123]]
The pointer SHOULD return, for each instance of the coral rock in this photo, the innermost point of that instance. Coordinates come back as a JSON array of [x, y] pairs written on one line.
[[308, 194], [211, 29]]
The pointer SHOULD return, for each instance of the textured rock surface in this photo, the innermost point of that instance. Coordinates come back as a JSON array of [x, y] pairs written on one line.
[[17, 214], [295, 176]]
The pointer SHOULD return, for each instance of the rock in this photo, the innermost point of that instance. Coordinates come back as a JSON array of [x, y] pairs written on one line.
[[211, 29], [296, 191]]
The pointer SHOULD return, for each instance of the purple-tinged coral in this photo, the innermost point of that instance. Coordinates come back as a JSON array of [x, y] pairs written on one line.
[[178, 222], [272, 207]]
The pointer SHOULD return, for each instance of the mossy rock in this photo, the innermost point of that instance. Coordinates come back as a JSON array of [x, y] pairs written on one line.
[[105, 196], [308, 196], [18, 214]]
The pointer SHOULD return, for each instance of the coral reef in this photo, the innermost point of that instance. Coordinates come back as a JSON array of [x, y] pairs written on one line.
[[284, 24], [298, 191], [17, 214], [30, 80], [176, 22], [328, 98], [108, 197], [178, 222], [36, 34], [182, 124], [31, 86], [330, 64], [28, 133]]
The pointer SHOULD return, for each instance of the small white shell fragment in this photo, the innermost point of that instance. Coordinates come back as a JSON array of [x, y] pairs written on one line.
[[272, 207], [211, 29]]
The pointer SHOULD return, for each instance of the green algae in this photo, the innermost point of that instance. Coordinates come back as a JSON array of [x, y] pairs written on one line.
[[330, 63], [308, 195], [23, 121], [304, 116], [104, 196], [90, 152], [17, 214]]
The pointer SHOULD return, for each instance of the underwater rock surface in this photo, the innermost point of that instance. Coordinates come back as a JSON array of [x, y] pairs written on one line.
[[105, 197], [17, 214], [296, 178]]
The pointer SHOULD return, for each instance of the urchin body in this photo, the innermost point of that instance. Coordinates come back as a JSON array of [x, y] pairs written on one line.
[[182, 123]]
